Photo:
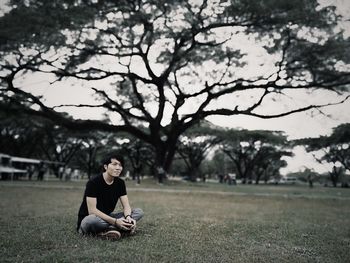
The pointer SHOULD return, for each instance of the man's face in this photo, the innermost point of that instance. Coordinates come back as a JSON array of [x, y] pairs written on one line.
[[114, 168]]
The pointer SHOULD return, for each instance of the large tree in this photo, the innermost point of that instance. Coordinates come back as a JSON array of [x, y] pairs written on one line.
[[158, 67]]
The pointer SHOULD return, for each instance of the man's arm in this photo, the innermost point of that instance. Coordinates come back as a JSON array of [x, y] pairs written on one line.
[[127, 210], [126, 205], [92, 209]]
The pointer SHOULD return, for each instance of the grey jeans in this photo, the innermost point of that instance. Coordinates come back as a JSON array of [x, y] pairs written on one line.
[[93, 224]]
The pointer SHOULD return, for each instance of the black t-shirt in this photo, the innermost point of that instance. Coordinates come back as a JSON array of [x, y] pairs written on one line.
[[106, 195]]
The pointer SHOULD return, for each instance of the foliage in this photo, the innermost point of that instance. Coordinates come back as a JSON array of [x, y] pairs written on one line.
[[335, 149], [20, 137], [194, 146], [42, 139], [255, 153], [160, 67], [37, 138], [139, 154], [94, 146]]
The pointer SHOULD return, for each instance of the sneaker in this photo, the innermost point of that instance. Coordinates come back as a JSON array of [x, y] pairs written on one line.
[[110, 235]]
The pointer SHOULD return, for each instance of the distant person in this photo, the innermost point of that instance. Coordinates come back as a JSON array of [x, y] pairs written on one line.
[[67, 174], [138, 169], [30, 171], [310, 180], [161, 174], [60, 172], [127, 176], [76, 174], [96, 216], [41, 172], [221, 178]]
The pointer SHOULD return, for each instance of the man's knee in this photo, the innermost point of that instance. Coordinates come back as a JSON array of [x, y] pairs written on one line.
[[92, 224], [137, 213]]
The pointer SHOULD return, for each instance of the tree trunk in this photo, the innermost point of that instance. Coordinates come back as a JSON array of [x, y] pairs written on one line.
[[258, 176], [165, 152], [193, 174]]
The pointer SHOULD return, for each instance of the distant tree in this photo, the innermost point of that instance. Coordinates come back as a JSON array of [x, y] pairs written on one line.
[[20, 137], [59, 144], [273, 171], [93, 148], [42, 139], [159, 67], [37, 138], [139, 154], [219, 165], [194, 146], [269, 163], [335, 150], [254, 153], [307, 175]]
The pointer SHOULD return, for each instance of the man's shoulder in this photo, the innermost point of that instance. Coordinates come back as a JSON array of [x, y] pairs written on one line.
[[119, 183], [119, 180], [95, 179]]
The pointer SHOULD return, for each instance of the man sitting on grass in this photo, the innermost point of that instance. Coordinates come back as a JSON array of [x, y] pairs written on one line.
[[96, 216]]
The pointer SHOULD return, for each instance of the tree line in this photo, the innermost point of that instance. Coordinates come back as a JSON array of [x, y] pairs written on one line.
[[203, 151]]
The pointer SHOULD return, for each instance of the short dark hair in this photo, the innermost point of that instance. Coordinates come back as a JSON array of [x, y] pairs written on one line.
[[107, 159]]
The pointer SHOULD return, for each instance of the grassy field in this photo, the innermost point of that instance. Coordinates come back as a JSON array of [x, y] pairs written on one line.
[[183, 222]]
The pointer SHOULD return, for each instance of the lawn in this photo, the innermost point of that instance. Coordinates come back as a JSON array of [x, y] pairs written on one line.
[[183, 223]]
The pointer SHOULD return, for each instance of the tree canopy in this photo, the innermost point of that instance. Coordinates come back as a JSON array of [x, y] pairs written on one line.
[[158, 67], [335, 147], [194, 146], [255, 153]]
